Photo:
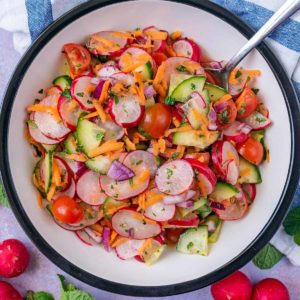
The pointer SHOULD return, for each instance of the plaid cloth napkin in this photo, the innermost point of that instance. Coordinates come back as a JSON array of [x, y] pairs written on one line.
[[28, 18]]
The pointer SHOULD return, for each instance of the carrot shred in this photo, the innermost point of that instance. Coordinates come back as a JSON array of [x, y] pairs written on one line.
[[140, 87], [39, 199], [111, 145], [45, 108], [129, 144], [91, 115], [162, 145], [100, 110], [51, 192], [104, 92], [157, 35], [143, 46], [152, 199], [140, 217], [178, 129], [170, 51], [180, 149], [145, 245], [97, 227], [113, 236], [90, 88], [141, 201], [119, 241], [155, 147], [77, 156], [176, 35], [175, 122]]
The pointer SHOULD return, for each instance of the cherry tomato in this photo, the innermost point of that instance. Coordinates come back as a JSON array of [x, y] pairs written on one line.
[[159, 57], [78, 58], [226, 115], [67, 210], [236, 286], [173, 234], [270, 289], [156, 120], [246, 103], [252, 150]]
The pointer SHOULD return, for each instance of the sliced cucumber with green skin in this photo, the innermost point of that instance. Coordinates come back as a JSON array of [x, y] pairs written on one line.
[[89, 135], [197, 204], [204, 211], [183, 91], [64, 81], [194, 241], [222, 191], [190, 138], [47, 170], [249, 173], [49, 148], [259, 135], [215, 92], [70, 144], [152, 254], [146, 70], [175, 80], [216, 223], [99, 164]]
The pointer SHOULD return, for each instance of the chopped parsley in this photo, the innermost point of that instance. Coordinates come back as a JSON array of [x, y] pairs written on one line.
[[99, 136], [41, 91], [169, 173], [193, 86], [67, 94], [89, 101], [78, 66], [158, 160], [175, 155], [248, 78], [138, 162], [260, 120], [238, 74], [103, 58], [130, 181], [84, 113], [181, 68], [255, 91], [113, 94], [190, 245], [189, 53], [143, 133], [170, 101], [224, 116], [36, 101], [80, 94], [242, 109], [32, 124]]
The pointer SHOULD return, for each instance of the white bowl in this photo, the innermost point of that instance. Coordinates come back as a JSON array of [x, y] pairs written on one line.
[[220, 34]]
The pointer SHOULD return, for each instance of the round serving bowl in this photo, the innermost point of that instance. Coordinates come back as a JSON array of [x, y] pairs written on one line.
[[220, 34]]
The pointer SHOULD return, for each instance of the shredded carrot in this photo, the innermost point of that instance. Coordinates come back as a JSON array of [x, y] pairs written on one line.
[[141, 201], [233, 78], [157, 35], [90, 88], [77, 156], [114, 154], [97, 227], [175, 35], [141, 178], [145, 245], [140, 87], [159, 75], [45, 108], [51, 192], [56, 179], [152, 199], [39, 199], [268, 155], [253, 73], [169, 50], [143, 46], [180, 149], [140, 217], [178, 129], [245, 172], [119, 241], [155, 147], [175, 122], [104, 92], [121, 34], [91, 115], [113, 236], [202, 188], [113, 209], [129, 144], [72, 104], [96, 68], [223, 99], [111, 145], [100, 110], [162, 145]]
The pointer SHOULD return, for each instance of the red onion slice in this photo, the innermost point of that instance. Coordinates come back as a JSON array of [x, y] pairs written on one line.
[[212, 120], [149, 91], [106, 238], [98, 90], [119, 172], [217, 205]]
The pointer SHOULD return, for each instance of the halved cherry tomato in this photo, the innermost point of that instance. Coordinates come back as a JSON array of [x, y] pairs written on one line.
[[67, 210], [252, 150], [210, 78], [173, 234], [246, 103], [78, 58], [226, 115], [159, 57], [156, 120]]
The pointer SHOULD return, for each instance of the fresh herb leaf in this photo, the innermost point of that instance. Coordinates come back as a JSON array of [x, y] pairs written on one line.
[[32, 124], [170, 101], [268, 257], [183, 123], [158, 160], [260, 120], [143, 133], [38, 296], [193, 86], [80, 94], [66, 93], [248, 78], [190, 245], [89, 101], [99, 136], [78, 66], [169, 173], [175, 155], [238, 74], [130, 181], [241, 109], [297, 238], [36, 101], [255, 91], [138, 162], [3, 198], [181, 68], [291, 223], [103, 58], [41, 91], [84, 113]]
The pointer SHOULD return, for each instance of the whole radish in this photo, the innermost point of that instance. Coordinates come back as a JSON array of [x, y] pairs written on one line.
[[14, 258], [236, 286], [270, 289], [8, 292]]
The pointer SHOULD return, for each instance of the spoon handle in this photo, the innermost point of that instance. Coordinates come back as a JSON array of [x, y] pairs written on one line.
[[284, 12]]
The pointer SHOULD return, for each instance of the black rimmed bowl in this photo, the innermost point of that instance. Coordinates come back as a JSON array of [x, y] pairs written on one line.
[[220, 34]]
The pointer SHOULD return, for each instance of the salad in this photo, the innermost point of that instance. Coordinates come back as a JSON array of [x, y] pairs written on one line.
[[138, 147]]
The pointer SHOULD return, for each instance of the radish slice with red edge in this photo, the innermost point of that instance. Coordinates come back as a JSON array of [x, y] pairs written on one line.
[[174, 177], [77, 167], [37, 135], [158, 45], [190, 220], [257, 121], [86, 238], [108, 70], [93, 235], [129, 249], [80, 94], [112, 130], [97, 47], [232, 173], [237, 132], [250, 190], [127, 112], [139, 161], [125, 79], [48, 125], [69, 192], [106, 238], [187, 48], [119, 171], [88, 188], [69, 116], [129, 223]]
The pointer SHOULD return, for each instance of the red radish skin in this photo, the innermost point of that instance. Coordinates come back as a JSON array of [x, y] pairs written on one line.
[[14, 258], [158, 45], [250, 189], [187, 48], [270, 289], [8, 292], [257, 121], [236, 286]]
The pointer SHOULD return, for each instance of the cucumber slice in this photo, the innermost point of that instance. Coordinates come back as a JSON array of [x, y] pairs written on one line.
[[204, 211], [197, 204], [190, 138], [99, 164], [47, 169], [70, 144], [175, 80], [215, 92], [110, 206], [249, 173], [146, 70], [214, 221], [151, 254], [63, 81], [89, 135], [183, 91], [49, 148], [222, 191], [259, 135], [194, 241]]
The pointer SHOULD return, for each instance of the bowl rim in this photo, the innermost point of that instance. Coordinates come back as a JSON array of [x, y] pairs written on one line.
[[165, 290]]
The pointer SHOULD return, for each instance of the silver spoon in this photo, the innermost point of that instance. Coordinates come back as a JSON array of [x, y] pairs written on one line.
[[284, 12]]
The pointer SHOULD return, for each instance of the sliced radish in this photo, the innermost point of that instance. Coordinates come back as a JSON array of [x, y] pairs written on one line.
[[112, 130], [136, 55], [174, 177], [88, 188], [129, 223], [85, 237], [160, 212], [237, 132], [65, 172], [69, 111], [69, 192], [257, 121], [124, 78], [139, 161], [93, 235], [37, 135], [108, 70], [232, 173], [47, 124], [127, 112], [190, 220], [80, 94], [53, 90], [121, 190], [250, 190], [77, 167], [129, 249], [115, 43], [179, 198], [187, 48], [158, 45]]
